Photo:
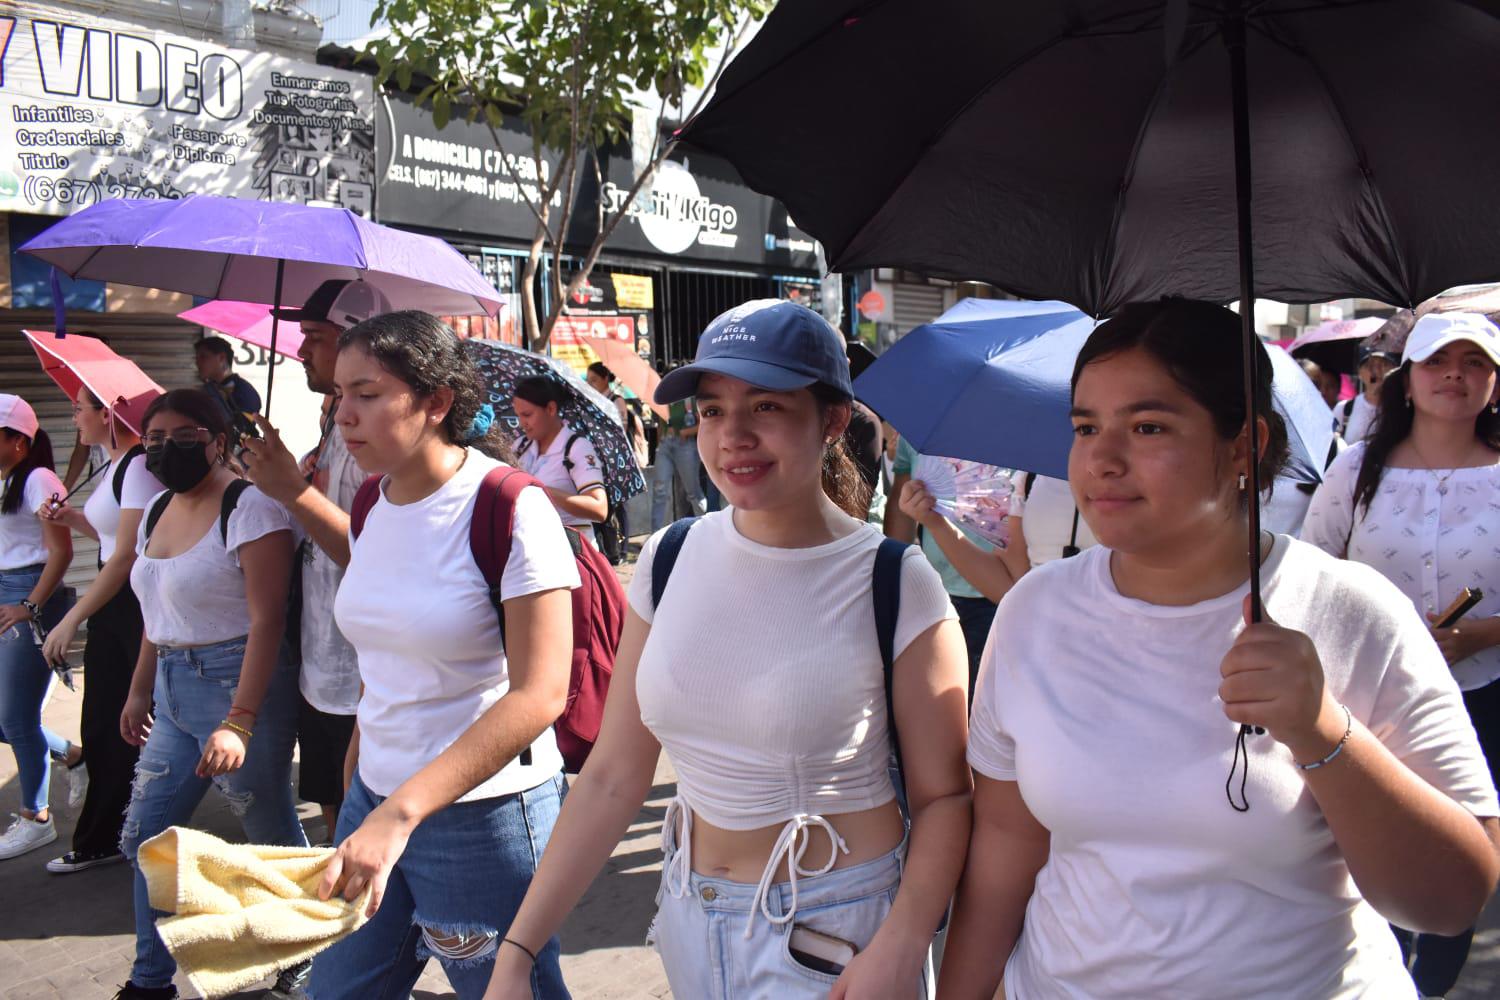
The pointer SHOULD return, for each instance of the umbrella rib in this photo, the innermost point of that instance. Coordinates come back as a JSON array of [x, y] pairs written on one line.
[[1292, 46]]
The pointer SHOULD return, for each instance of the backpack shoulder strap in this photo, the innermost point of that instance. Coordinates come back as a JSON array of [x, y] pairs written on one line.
[[568, 450], [231, 500], [1027, 485], [364, 502], [123, 465], [667, 551], [494, 519], [157, 510], [886, 590]]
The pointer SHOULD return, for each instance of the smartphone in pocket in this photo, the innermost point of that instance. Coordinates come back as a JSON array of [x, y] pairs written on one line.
[[820, 952]]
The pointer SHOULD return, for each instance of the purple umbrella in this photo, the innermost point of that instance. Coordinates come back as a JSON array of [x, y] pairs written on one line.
[[259, 251]]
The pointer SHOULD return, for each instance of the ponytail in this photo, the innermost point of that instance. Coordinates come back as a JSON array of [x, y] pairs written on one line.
[[38, 455], [842, 480]]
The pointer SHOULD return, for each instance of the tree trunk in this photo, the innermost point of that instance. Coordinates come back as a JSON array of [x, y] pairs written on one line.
[[533, 338]]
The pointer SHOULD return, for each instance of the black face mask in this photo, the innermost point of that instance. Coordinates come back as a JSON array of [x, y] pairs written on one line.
[[179, 469]]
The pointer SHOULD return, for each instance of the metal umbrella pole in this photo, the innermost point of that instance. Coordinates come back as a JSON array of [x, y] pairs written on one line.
[[275, 329]]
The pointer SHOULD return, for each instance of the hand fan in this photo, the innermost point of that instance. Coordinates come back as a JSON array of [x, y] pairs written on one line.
[[969, 493]]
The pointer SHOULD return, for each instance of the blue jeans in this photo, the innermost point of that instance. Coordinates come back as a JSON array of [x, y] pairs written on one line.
[[24, 677], [195, 688], [464, 873], [675, 457]]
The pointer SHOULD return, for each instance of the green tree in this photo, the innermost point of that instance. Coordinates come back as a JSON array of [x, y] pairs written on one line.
[[576, 71]]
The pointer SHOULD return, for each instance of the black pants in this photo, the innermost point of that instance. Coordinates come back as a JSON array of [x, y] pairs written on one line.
[[1438, 959], [109, 655], [975, 616]]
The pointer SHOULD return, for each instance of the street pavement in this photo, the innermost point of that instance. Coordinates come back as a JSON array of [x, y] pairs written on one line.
[[70, 937]]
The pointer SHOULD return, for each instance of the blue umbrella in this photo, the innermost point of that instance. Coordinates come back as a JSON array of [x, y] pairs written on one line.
[[989, 381]]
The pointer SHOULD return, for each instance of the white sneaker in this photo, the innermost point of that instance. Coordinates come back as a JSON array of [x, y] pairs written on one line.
[[78, 785], [26, 835]]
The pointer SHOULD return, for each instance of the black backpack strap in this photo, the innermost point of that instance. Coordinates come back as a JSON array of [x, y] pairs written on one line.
[[1071, 549], [227, 505], [1027, 484], [568, 450], [157, 510], [118, 478], [886, 590], [667, 551]]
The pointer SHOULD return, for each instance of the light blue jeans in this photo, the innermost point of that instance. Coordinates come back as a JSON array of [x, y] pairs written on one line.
[[24, 677], [717, 944], [675, 456], [195, 688], [464, 873]]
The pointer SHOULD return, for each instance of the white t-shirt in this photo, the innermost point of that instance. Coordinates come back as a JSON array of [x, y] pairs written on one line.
[[762, 676], [1430, 542], [330, 667], [1105, 709], [198, 597], [103, 512], [1360, 422], [549, 470], [415, 605], [1047, 517], [21, 541]]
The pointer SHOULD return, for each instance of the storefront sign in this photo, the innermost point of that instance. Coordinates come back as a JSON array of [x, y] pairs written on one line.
[[633, 291], [456, 178], [92, 109], [571, 334]]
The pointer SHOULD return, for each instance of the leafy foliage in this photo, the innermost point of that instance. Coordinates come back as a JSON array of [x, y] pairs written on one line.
[[571, 69]]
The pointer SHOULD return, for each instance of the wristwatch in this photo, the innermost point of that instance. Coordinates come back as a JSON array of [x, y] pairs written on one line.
[[33, 610]]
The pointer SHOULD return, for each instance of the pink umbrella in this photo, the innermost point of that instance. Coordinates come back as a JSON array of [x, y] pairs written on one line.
[[633, 373], [84, 362], [1334, 344], [247, 321]]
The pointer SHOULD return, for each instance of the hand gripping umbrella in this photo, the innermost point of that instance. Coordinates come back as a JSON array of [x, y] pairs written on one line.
[[259, 251], [1102, 153], [587, 411]]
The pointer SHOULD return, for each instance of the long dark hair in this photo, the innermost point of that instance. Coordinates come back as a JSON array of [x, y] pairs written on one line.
[[841, 477], [1393, 423], [427, 355], [38, 456], [1199, 345]]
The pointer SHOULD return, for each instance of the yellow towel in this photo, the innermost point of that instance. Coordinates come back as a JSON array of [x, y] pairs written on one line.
[[243, 911]]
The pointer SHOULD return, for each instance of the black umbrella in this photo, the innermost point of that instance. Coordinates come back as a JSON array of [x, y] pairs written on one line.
[[1102, 152]]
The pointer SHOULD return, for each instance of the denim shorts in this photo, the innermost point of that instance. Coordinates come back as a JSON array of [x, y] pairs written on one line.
[[701, 933], [464, 873]]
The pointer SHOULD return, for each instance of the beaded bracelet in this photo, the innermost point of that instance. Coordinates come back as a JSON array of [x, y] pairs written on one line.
[[226, 724], [1339, 747]]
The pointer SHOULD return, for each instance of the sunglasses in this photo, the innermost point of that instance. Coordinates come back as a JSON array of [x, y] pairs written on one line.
[[182, 437]]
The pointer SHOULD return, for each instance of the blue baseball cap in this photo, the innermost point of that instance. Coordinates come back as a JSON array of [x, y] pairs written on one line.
[[770, 343]]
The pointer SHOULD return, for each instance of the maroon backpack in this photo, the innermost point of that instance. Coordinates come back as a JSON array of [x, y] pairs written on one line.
[[598, 605]]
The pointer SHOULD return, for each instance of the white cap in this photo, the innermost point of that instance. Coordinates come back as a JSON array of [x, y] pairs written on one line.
[[18, 415], [1437, 330]]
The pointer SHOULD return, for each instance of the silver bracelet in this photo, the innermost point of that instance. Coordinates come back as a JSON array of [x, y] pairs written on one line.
[[1339, 747]]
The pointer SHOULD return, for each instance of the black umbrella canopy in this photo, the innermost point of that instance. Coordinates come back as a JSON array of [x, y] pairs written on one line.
[[1085, 150]]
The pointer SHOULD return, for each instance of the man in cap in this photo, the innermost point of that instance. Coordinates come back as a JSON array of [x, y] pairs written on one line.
[[330, 670], [1354, 419]]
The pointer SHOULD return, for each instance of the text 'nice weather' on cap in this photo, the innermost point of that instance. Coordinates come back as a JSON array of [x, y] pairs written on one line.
[[771, 344]]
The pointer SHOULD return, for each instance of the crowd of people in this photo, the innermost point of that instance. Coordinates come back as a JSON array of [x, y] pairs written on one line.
[[1087, 753]]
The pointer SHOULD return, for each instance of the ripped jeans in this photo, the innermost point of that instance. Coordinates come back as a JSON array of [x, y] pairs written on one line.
[[452, 896], [194, 690]]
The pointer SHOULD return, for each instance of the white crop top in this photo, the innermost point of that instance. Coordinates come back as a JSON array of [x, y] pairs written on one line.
[[762, 677]]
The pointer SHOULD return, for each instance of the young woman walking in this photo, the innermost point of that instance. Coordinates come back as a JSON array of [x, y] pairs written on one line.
[[113, 512], [210, 701], [34, 555], [788, 870], [1130, 839], [454, 775], [1416, 500]]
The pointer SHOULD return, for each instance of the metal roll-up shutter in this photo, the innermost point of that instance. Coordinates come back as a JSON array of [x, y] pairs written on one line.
[[161, 345], [913, 305]]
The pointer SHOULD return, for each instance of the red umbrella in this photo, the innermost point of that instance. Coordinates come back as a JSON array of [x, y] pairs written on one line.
[[118, 383], [633, 373]]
